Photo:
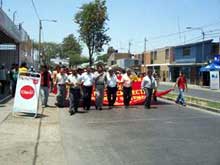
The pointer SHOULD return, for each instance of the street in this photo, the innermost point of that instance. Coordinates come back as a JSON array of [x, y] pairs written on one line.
[[201, 93], [167, 134]]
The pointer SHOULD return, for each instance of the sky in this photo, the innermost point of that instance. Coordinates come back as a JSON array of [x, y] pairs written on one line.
[[129, 21]]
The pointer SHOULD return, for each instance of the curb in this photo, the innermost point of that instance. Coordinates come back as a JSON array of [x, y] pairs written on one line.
[[4, 100], [197, 106]]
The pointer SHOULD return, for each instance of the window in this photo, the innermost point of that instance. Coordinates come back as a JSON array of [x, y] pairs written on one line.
[[186, 51], [167, 53], [155, 55]]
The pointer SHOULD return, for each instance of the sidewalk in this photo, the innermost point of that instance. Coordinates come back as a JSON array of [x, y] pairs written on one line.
[[26, 140], [191, 86]]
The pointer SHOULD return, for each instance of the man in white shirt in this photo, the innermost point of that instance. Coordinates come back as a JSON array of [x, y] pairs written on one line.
[[74, 92], [87, 79], [127, 88], [111, 81], [148, 84], [61, 87]]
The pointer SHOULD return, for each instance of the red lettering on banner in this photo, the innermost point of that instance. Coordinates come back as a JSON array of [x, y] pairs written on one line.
[[27, 92]]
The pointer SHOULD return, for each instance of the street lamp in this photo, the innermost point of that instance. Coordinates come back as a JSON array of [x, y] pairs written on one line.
[[203, 38], [41, 59]]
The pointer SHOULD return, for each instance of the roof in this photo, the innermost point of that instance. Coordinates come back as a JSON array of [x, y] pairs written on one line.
[[195, 43]]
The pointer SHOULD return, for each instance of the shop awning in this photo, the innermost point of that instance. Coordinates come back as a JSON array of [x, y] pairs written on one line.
[[214, 66]]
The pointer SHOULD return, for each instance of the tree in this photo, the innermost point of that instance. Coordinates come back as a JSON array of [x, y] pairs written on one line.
[[103, 58], [92, 19], [72, 49]]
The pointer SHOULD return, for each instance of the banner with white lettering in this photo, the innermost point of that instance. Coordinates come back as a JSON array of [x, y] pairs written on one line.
[[27, 93]]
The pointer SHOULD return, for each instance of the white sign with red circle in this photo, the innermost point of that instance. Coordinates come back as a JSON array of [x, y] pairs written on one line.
[[27, 94]]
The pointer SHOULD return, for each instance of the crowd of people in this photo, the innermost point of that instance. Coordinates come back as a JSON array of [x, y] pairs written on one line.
[[78, 84]]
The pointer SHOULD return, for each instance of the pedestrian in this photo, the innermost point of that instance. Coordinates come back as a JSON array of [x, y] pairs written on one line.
[[87, 80], [111, 81], [23, 68], [99, 77], [45, 85], [182, 86], [13, 77], [127, 88], [148, 84], [74, 91], [61, 79], [3, 79], [54, 78], [157, 78]]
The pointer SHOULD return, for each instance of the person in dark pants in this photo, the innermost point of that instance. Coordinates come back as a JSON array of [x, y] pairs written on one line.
[[45, 85], [61, 79], [148, 84], [111, 81], [87, 80], [99, 76], [74, 92], [127, 88]]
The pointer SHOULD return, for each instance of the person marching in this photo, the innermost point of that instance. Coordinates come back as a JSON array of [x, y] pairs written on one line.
[[157, 78], [99, 87], [148, 84], [87, 80], [61, 87], [74, 92], [127, 88], [182, 86], [45, 85], [111, 81]]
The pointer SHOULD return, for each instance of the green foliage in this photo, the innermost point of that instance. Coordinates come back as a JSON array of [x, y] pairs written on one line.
[[103, 58], [71, 46], [92, 20]]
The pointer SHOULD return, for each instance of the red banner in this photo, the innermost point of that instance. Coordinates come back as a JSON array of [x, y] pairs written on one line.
[[138, 95]]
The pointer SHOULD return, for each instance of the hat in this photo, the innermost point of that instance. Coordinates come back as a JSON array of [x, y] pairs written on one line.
[[110, 69]]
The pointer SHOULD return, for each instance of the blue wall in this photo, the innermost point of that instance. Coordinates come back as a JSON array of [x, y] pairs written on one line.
[[195, 53]]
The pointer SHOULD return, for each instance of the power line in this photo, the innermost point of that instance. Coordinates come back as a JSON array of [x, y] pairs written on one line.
[[35, 9]]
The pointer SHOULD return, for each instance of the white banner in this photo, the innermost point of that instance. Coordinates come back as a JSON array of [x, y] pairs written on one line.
[[27, 93], [214, 79]]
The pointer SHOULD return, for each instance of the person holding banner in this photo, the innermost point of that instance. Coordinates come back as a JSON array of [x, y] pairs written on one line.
[[148, 84], [87, 80], [182, 86], [45, 85], [74, 92], [99, 86], [127, 88], [111, 81], [61, 87]]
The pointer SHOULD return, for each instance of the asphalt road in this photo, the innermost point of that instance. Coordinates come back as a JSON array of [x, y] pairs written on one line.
[[205, 94], [167, 134]]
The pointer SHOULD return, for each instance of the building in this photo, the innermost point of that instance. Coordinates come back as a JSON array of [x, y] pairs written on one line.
[[15, 44], [189, 58], [125, 60], [158, 60]]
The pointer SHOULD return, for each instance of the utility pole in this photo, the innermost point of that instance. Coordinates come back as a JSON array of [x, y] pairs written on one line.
[[145, 44], [129, 47], [1, 4], [14, 13], [219, 46], [39, 46]]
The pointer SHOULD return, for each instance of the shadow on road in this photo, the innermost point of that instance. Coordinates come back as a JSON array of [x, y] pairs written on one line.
[[38, 139]]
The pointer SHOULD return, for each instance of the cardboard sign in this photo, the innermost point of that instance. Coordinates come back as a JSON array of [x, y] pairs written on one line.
[[27, 93]]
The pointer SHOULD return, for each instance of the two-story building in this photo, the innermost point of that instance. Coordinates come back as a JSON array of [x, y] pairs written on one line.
[[159, 60], [189, 58]]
